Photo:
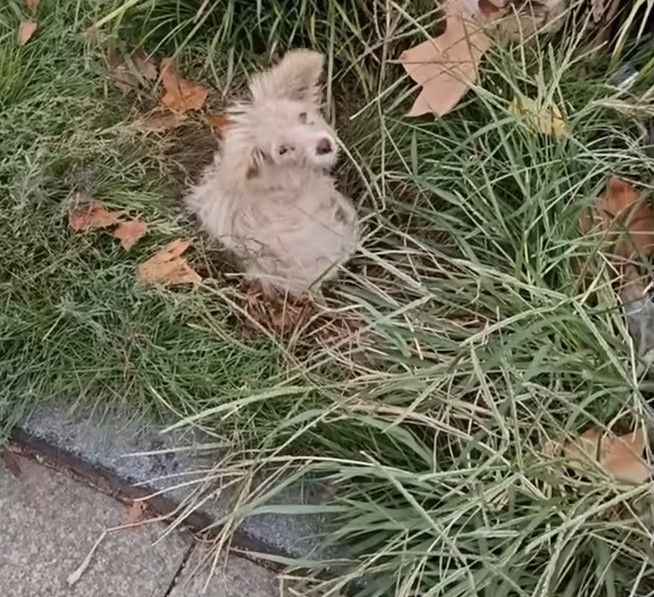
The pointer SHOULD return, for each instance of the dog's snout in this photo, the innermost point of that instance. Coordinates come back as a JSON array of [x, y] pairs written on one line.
[[324, 146]]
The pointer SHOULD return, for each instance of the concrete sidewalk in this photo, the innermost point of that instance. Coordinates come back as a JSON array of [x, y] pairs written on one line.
[[49, 524]]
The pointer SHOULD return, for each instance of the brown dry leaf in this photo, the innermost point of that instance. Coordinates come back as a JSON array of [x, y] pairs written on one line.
[[92, 217], [144, 65], [26, 30], [446, 66], [160, 122], [168, 266], [626, 219], [136, 512], [620, 456], [130, 232], [181, 95], [218, 122], [32, 5], [133, 71]]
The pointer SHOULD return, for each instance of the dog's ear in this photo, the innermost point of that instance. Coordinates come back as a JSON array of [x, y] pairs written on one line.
[[296, 77]]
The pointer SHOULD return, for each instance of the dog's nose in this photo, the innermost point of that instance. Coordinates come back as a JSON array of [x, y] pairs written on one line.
[[324, 146]]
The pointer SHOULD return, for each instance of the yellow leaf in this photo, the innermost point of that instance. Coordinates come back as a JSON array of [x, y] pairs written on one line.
[[540, 119]]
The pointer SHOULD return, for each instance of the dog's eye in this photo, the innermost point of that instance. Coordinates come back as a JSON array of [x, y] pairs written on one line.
[[303, 117], [284, 149]]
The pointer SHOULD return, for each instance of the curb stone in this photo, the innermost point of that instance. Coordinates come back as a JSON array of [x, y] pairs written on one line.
[[135, 459]]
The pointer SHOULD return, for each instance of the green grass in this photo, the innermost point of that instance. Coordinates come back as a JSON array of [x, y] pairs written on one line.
[[481, 344]]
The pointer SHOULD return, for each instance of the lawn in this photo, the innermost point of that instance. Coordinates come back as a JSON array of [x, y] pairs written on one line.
[[480, 341]]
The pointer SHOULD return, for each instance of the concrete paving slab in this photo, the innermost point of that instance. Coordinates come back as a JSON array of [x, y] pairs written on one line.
[[233, 577], [48, 525]]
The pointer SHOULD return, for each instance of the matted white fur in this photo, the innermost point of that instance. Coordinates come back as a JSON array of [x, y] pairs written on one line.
[[268, 196]]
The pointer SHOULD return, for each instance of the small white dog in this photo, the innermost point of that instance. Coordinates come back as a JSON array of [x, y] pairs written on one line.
[[268, 196]]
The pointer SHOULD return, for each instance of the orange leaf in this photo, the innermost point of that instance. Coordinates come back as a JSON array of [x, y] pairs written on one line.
[[26, 30], [130, 232], [621, 457], [446, 66], [218, 122], [32, 5], [181, 95], [92, 217], [626, 219], [168, 266]]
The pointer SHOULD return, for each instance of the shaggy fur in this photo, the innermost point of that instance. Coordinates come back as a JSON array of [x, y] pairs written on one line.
[[268, 196]]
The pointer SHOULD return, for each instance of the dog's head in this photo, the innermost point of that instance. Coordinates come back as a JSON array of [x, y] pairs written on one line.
[[283, 124]]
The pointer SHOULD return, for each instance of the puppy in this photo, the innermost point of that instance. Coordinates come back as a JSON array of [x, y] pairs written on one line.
[[268, 197]]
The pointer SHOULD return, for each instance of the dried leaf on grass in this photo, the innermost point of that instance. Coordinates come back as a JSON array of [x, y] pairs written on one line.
[[546, 119], [32, 5], [92, 217], [136, 512], [301, 320], [621, 457], [625, 218], [181, 95], [130, 73], [279, 316], [26, 30], [218, 122], [159, 123], [168, 266], [447, 65], [130, 232], [95, 216]]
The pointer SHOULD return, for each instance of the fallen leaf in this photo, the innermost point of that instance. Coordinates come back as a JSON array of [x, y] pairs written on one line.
[[144, 64], [446, 66], [168, 266], [621, 457], [218, 122], [130, 72], [92, 217], [32, 5], [540, 119], [160, 123], [130, 232], [26, 30], [181, 95], [625, 218], [136, 512]]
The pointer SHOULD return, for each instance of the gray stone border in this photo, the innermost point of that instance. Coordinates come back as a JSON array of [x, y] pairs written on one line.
[[133, 459]]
